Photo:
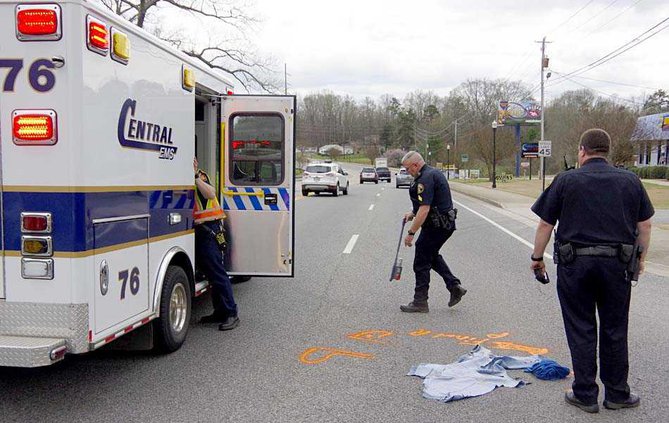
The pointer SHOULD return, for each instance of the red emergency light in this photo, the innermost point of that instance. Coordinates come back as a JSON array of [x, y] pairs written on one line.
[[37, 22], [34, 127], [98, 36], [237, 144]]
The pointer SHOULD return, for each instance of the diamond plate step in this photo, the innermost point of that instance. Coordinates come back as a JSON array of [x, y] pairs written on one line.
[[26, 351]]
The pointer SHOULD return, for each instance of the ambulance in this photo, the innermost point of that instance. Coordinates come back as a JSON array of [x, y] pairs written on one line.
[[99, 125]]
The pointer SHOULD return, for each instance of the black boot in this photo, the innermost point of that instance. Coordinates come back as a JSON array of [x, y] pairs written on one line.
[[415, 307], [230, 323], [632, 401], [571, 399], [457, 292]]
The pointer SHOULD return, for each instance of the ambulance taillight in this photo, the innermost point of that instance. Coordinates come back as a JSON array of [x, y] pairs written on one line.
[[36, 222], [38, 22], [34, 127], [36, 246]]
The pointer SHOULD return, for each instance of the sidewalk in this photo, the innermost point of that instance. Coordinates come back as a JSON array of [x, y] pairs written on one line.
[[657, 260]]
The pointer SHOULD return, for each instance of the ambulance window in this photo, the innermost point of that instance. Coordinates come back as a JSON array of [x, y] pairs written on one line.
[[257, 149]]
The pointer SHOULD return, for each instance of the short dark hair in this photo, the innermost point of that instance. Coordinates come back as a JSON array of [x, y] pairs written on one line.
[[596, 141]]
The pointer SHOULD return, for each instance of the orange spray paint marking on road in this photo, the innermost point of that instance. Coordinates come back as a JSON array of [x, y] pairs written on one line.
[[323, 354], [420, 332], [373, 336], [504, 345], [497, 335]]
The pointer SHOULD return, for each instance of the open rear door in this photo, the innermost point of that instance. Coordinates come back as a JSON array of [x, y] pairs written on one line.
[[258, 183]]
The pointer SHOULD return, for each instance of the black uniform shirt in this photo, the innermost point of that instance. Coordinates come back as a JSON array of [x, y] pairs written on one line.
[[430, 188], [596, 204]]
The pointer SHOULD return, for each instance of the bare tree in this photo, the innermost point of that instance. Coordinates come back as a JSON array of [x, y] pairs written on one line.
[[227, 17]]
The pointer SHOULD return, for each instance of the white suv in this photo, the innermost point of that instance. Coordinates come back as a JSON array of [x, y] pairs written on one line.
[[324, 177]]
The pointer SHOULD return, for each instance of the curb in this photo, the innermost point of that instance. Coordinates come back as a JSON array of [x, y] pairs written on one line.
[[458, 189]]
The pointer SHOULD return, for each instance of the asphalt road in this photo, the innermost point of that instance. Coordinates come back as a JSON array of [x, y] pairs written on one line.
[[331, 344]]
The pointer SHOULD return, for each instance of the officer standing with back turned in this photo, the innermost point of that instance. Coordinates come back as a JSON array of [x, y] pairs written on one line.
[[433, 214], [601, 240]]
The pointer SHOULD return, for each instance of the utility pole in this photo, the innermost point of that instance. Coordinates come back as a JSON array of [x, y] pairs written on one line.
[[456, 135], [544, 65]]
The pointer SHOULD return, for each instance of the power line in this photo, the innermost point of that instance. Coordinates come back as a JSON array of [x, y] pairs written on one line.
[[571, 17], [617, 52], [603, 93], [610, 82], [614, 18], [589, 20]]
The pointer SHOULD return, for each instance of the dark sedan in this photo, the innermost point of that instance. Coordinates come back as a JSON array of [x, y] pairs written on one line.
[[383, 173]]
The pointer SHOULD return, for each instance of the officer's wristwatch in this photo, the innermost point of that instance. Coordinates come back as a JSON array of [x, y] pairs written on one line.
[[540, 258], [411, 233]]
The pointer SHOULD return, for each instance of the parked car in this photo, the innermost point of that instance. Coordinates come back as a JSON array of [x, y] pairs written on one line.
[[383, 173], [368, 174], [324, 177], [403, 178]]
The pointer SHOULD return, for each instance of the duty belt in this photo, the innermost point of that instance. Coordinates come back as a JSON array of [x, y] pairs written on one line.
[[597, 251]]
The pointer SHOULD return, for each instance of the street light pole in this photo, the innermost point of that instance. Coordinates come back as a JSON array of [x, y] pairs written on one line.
[[448, 160], [494, 159]]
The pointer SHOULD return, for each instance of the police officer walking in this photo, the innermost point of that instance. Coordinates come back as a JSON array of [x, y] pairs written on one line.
[[604, 221], [209, 242], [433, 214]]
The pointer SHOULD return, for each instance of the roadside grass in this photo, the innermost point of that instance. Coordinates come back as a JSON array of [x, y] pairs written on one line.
[[659, 194]]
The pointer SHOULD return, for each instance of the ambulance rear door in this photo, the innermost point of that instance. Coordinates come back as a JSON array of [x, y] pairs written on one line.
[[258, 183]]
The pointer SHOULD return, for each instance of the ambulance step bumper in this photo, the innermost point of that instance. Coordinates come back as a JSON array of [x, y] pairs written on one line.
[[26, 351]]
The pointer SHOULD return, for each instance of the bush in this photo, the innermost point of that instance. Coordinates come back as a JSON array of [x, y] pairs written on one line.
[[651, 172]]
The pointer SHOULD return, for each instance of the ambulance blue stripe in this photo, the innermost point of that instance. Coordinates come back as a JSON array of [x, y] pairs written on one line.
[[254, 199], [239, 203], [225, 205], [285, 196], [273, 207], [73, 215]]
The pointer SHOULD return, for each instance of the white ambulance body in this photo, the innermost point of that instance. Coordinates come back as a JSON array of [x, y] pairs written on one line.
[[99, 125]]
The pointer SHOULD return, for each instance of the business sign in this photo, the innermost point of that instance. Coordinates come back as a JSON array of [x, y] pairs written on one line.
[[665, 123], [544, 148], [525, 112], [529, 150], [524, 164]]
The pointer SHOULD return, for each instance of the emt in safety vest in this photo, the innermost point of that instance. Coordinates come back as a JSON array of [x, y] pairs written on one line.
[[209, 246]]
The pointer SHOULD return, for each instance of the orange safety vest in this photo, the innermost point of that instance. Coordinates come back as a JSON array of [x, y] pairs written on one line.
[[206, 209]]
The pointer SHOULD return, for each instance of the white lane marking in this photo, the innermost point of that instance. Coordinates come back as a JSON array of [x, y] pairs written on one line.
[[501, 228], [351, 244], [371, 207], [378, 195]]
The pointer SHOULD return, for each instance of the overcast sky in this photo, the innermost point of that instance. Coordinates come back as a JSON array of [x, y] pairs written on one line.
[[375, 47]]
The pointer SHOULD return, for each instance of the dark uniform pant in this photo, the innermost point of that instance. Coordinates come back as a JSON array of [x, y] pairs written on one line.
[[209, 260], [586, 284], [427, 257]]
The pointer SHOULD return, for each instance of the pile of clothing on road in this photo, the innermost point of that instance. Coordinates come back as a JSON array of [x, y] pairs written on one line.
[[480, 372]]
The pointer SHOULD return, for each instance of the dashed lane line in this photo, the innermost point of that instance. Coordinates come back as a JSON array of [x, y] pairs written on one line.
[[371, 207], [351, 244], [500, 227]]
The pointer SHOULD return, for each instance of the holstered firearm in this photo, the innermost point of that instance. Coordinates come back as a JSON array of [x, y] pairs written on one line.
[[563, 253], [442, 220]]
